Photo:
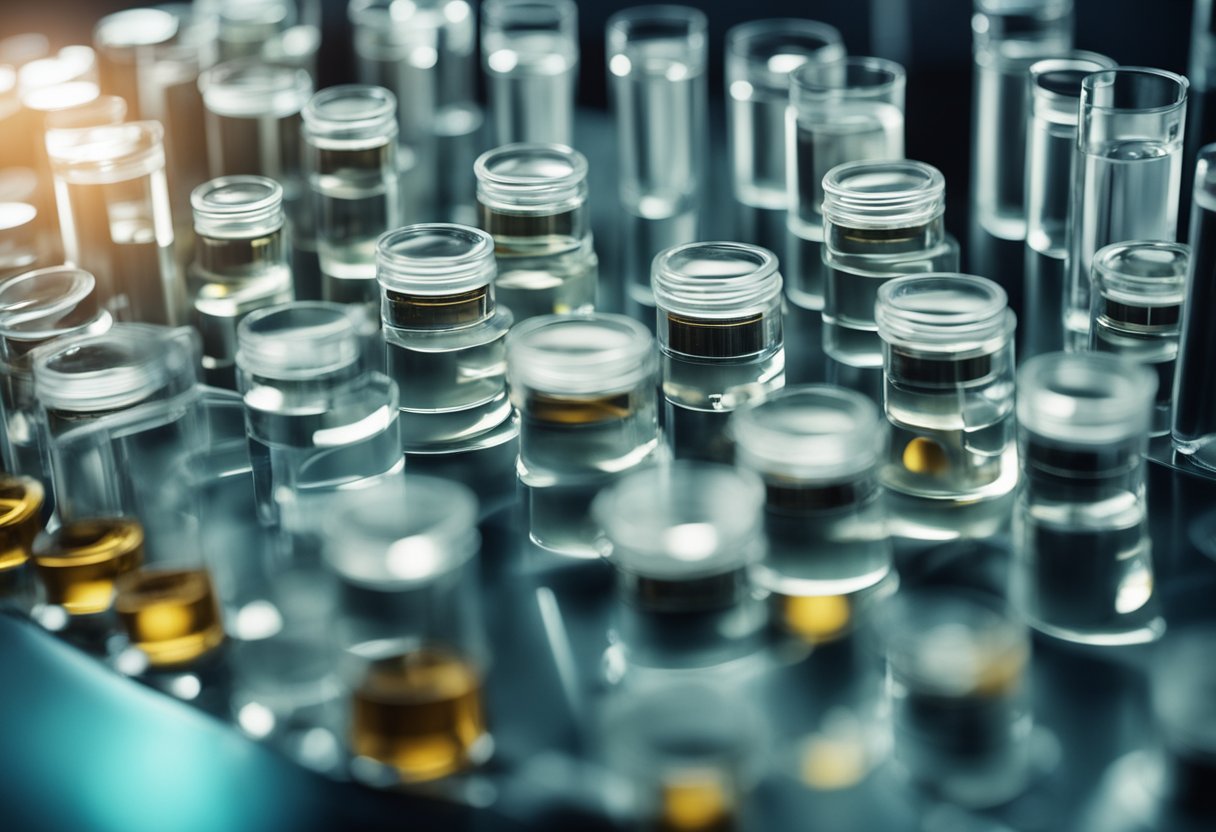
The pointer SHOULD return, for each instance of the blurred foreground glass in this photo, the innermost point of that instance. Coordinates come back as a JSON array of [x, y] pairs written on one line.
[[21, 519], [1184, 703], [284, 32], [122, 40]]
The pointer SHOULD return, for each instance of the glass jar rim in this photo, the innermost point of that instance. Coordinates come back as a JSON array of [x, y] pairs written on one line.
[[435, 258], [943, 311], [715, 291], [532, 177], [249, 88], [43, 303], [542, 357], [297, 340], [335, 113], [883, 194], [809, 78], [1160, 279], [109, 153], [1085, 398], [1106, 81], [238, 206]]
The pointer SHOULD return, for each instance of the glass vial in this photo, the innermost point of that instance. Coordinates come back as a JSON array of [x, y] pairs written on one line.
[[21, 513], [585, 388], [948, 393], [350, 144], [1007, 37], [77, 566], [720, 336], [819, 451], [122, 40], [1138, 289], [414, 650], [849, 110], [1083, 568], [533, 200], [881, 220], [530, 52], [282, 32], [1051, 150], [958, 676], [114, 216], [240, 264], [1127, 174]]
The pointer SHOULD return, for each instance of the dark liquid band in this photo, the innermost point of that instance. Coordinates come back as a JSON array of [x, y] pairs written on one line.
[[438, 311], [884, 240], [696, 594], [562, 410], [1146, 317], [791, 498], [565, 224], [716, 338], [938, 372]]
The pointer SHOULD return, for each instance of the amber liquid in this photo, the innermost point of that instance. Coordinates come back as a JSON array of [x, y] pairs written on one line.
[[20, 519], [83, 560], [419, 712], [171, 615], [696, 801]]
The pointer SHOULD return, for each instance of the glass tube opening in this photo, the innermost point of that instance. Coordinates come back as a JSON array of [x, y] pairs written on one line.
[[763, 53], [1055, 84], [532, 178], [716, 280], [236, 207], [350, 113], [1134, 89], [660, 34], [899, 194], [946, 312], [852, 77], [250, 89], [16, 215], [437, 259], [112, 153], [1085, 398], [1142, 273], [297, 341], [41, 304], [580, 354], [60, 96], [514, 18]]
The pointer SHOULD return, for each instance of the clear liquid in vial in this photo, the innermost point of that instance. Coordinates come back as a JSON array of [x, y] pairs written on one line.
[[1156, 353], [531, 80], [1042, 319], [542, 269], [1194, 428], [758, 143]]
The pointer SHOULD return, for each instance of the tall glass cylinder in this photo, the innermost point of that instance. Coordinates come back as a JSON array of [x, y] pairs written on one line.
[[1138, 289], [21, 237], [1127, 174], [849, 110], [283, 32], [657, 59], [115, 219], [721, 340], [1083, 566], [240, 264], [1051, 151], [881, 220], [121, 41], [585, 388], [1008, 36], [530, 52], [760, 56], [533, 201]]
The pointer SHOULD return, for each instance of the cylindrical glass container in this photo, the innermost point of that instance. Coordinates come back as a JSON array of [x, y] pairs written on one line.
[[1051, 150], [240, 264], [849, 110], [760, 57], [819, 450], [1138, 289], [881, 220], [122, 40], [1007, 37], [720, 335], [21, 513], [414, 649], [283, 32], [77, 566], [958, 678], [1083, 568], [37, 308], [1127, 173], [948, 372], [350, 142], [683, 535], [114, 216], [533, 200], [1184, 703], [585, 387], [530, 52]]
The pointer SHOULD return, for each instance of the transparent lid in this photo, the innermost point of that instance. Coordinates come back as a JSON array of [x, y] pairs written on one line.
[[1085, 398], [250, 89], [45, 303], [112, 153], [122, 367], [943, 312], [532, 178], [716, 280], [1142, 273], [402, 532], [810, 432], [357, 115], [869, 194], [683, 520], [435, 259], [237, 207], [297, 341], [1055, 83], [761, 54], [133, 28], [583, 354]]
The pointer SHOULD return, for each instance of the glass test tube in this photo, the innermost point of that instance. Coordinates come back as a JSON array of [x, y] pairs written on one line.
[[1051, 151], [760, 57], [1083, 568], [283, 32], [683, 535], [115, 219], [253, 126], [585, 388], [819, 450], [240, 264], [958, 678], [350, 144], [656, 63], [122, 40], [1194, 427], [533, 200], [849, 110], [1183, 697], [529, 49], [1127, 173], [881, 220], [1138, 289], [1008, 36], [720, 336], [414, 648], [425, 52], [21, 513], [36, 308], [949, 398]]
